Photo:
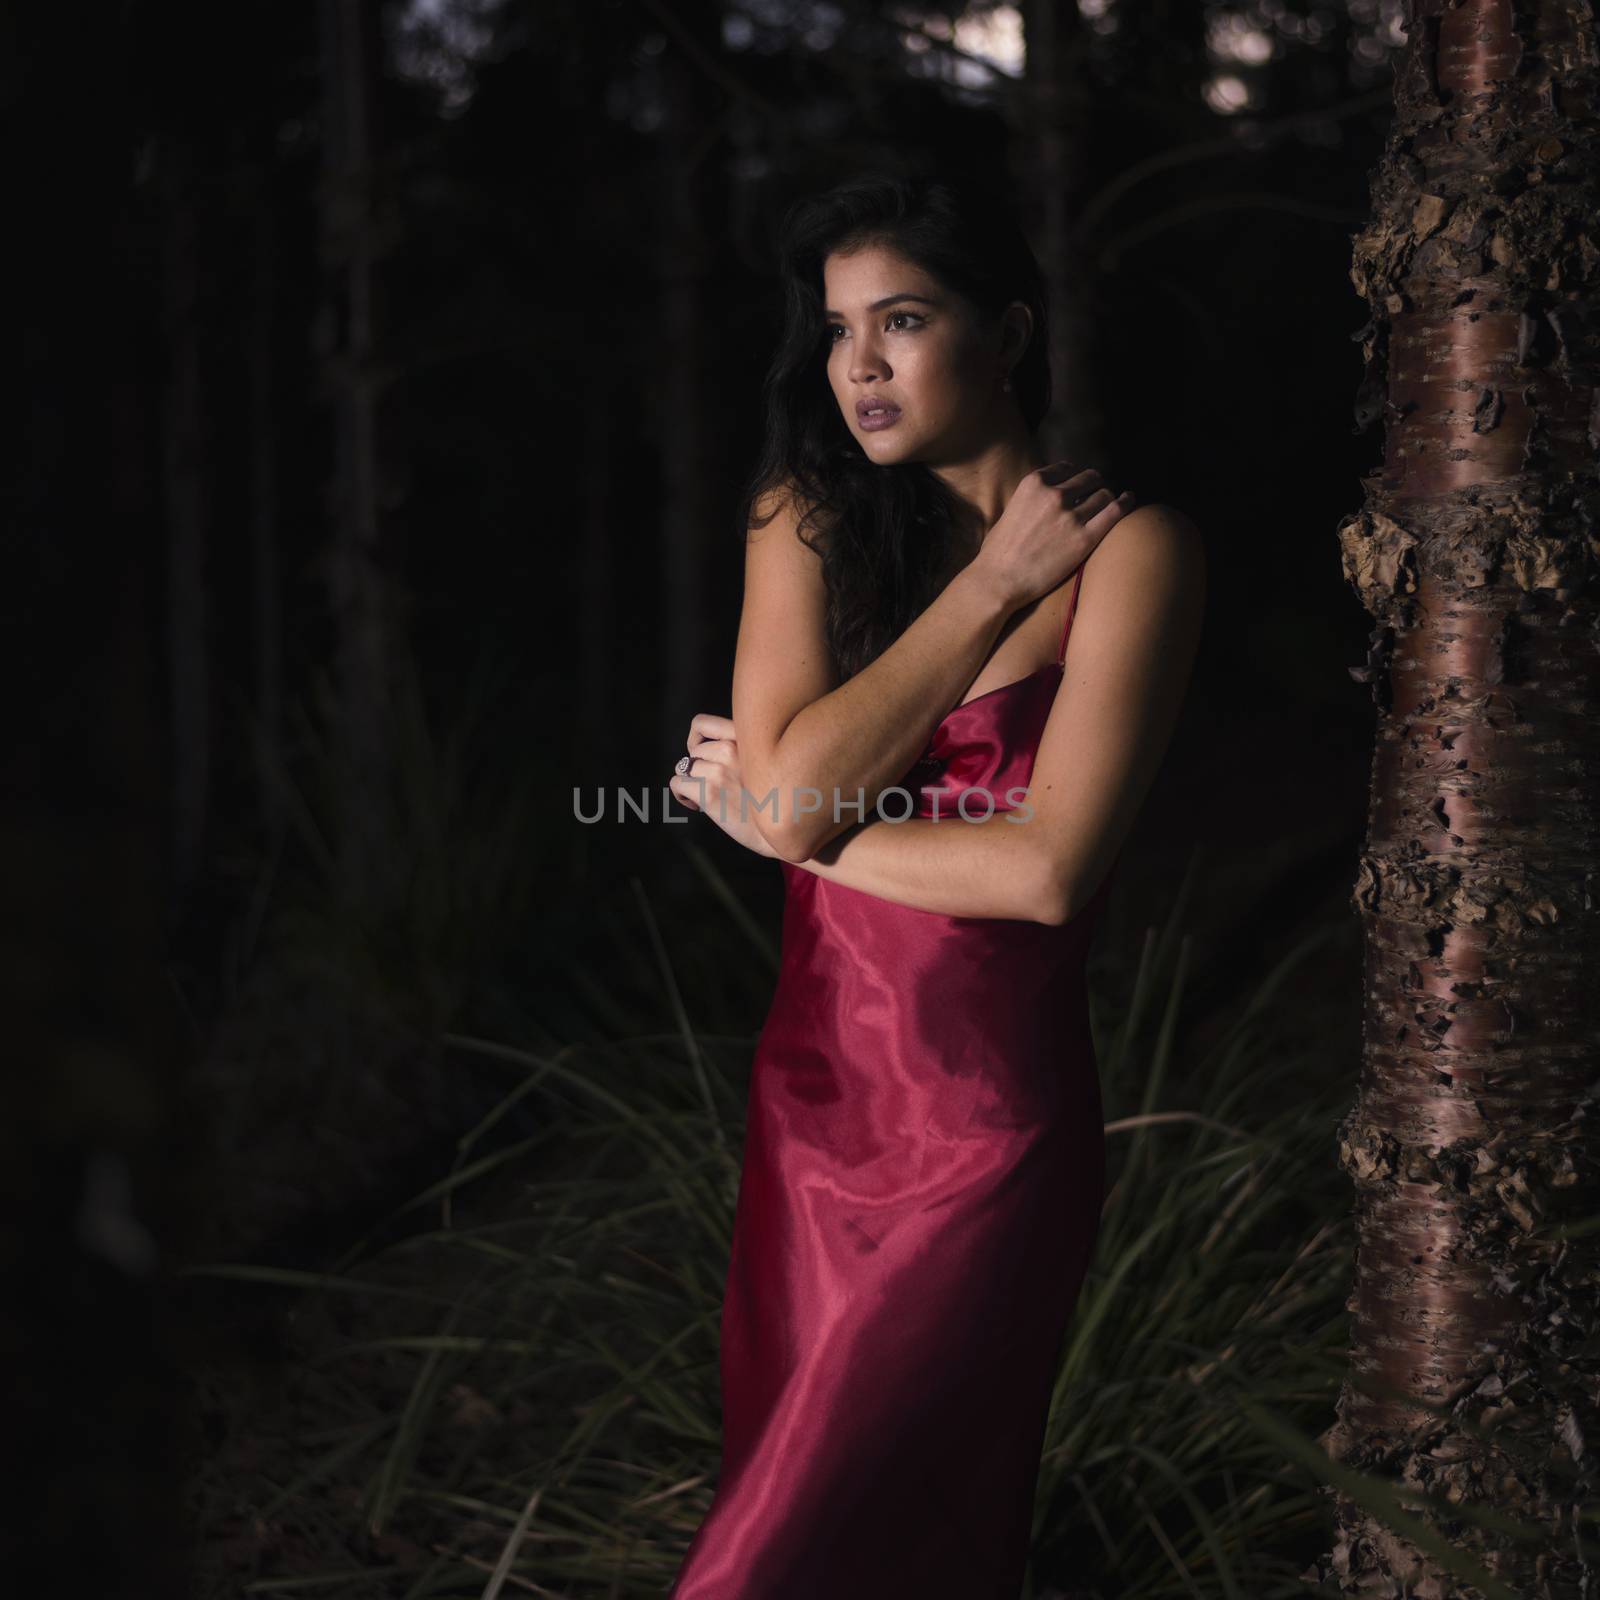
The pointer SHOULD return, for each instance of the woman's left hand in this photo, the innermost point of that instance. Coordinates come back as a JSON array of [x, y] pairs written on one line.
[[713, 783]]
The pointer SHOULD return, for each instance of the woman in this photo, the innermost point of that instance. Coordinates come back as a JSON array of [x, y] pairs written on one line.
[[924, 1159]]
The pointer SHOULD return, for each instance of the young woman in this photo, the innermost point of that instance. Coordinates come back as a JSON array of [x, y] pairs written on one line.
[[924, 1161]]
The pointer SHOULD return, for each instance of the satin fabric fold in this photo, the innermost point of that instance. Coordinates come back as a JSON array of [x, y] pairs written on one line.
[[920, 1196]]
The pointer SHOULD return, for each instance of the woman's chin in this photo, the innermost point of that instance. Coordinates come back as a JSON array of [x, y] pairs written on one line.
[[886, 444]]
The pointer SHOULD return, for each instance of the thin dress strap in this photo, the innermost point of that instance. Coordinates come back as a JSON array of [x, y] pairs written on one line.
[[1072, 609]]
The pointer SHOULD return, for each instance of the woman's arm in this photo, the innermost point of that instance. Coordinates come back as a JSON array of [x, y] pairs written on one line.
[[1129, 656], [987, 868], [797, 731], [802, 737]]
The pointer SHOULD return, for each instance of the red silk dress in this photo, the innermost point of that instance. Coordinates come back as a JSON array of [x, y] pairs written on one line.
[[921, 1189]]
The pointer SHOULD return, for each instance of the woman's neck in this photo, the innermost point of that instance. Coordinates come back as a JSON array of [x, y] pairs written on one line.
[[985, 484], [988, 480]]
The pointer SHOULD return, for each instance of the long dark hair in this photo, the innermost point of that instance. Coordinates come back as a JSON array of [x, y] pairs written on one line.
[[885, 534]]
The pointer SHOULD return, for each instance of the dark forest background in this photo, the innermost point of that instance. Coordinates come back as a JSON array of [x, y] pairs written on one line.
[[390, 373]]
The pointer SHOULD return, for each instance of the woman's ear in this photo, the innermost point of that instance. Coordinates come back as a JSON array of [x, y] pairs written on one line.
[[1016, 332]]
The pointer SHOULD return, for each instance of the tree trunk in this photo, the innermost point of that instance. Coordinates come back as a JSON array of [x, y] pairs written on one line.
[[266, 599], [96, 1148], [601, 601], [183, 471], [688, 544], [1054, 120], [1475, 553], [264, 592], [350, 256]]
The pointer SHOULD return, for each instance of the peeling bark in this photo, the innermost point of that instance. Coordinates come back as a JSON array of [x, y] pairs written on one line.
[[1472, 1376]]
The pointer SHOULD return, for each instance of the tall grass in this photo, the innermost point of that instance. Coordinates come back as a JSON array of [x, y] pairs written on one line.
[[1217, 1289], [511, 1387]]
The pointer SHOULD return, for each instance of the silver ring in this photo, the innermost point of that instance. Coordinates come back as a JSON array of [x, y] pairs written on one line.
[[684, 763]]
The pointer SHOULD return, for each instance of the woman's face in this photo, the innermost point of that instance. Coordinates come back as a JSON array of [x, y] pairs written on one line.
[[896, 337]]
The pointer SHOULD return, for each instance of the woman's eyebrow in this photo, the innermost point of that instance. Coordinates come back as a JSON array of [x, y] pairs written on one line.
[[888, 300]]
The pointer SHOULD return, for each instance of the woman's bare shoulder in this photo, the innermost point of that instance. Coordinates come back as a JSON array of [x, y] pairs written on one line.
[[1156, 525], [1151, 542]]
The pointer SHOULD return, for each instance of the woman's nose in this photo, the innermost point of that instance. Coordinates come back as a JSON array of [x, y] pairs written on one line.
[[866, 363]]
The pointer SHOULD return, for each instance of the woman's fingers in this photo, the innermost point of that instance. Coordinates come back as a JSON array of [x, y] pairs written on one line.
[[708, 725], [1109, 515], [722, 750], [1090, 503], [710, 739], [710, 759]]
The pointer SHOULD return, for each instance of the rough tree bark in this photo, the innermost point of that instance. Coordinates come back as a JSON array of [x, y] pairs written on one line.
[[1472, 1376]]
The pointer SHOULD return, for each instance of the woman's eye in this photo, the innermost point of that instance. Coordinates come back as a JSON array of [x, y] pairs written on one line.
[[834, 327]]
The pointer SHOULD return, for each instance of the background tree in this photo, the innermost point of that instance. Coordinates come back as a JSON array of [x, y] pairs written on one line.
[[349, 339], [100, 1165], [687, 393]]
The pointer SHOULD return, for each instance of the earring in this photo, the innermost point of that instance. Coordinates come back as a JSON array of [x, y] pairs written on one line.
[[1006, 386]]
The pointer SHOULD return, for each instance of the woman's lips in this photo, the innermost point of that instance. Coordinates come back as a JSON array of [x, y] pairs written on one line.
[[872, 421]]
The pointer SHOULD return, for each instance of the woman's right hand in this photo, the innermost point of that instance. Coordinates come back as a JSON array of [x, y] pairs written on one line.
[[1052, 521]]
